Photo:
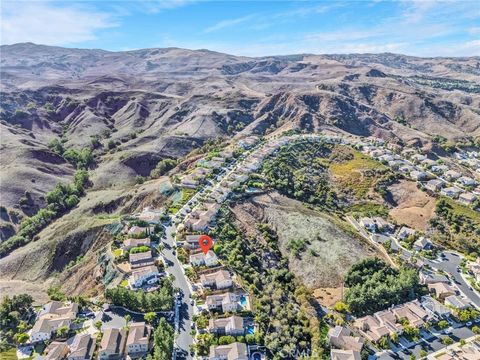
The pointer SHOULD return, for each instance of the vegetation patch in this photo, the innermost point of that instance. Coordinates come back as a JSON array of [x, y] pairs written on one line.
[[457, 226], [354, 171], [374, 286]]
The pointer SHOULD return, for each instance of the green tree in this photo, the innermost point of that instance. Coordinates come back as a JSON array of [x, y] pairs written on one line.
[[442, 324], [150, 317], [163, 341], [62, 331], [447, 340]]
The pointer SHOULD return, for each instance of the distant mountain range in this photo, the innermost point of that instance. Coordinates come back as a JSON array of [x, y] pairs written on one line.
[[162, 103]]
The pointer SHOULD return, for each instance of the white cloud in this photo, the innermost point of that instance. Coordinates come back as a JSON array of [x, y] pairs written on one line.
[[48, 23], [229, 23]]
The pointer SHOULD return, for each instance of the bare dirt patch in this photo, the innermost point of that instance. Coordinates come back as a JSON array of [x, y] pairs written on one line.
[[328, 296], [327, 248], [412, 206], [17, 287]]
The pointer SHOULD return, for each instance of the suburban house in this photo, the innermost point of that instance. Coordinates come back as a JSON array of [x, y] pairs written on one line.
[[474, 269], [225, 302], [451, 175], [189, 182], [233, 351], [53, 315], [434, 185], [439, 169], [441, 290], [56, 350], [232, 325], [137, 230], [406, 169], [452, 192], [82, 347], [191, 241], [405, 232], [456, 302], [200, 259], [422, 244], [131, 243], [138, 340], [418, 175], [467, 198], [466, 181], [341, 338], [385, 322], [371, 328], [147, 274], [417, 158], [112, 345], [220, 279], [428, 277], [434, 308], [150, 216], [368, 224], [383, 225], [337, 354], [428, 163], [142, 259]]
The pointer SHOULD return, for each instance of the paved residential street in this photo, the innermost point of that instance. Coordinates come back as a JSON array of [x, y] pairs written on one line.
[[184, 339], [449, 265]]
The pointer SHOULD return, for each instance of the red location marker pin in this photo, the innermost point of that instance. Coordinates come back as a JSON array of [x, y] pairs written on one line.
[[205, 243]]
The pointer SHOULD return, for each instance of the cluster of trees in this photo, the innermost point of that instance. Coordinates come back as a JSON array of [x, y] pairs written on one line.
[[457, 226], [61, 199], [163, 337], [374, 286], [467, 314], [14, 314], [163, 166], [280, 302], [81, 159], [158, 300], [299, 171]]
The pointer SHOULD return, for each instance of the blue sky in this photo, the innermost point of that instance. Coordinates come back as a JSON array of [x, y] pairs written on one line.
[[250, 28]]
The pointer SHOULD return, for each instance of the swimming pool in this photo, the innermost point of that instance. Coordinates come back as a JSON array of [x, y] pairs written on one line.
[[250, 329], [243, 301]]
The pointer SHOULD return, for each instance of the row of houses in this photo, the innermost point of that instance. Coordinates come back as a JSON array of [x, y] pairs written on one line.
[[222, 298], [116, 343], [417, 172]]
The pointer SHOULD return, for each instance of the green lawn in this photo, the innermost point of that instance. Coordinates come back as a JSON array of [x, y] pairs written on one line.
[[117, 252]]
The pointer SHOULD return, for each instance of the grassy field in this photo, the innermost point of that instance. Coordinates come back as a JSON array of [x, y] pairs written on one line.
[[9, 354], [355, 171]]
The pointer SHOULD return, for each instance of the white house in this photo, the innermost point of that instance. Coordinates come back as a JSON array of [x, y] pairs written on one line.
[[466, 181], [138, 340], [220, 279], [452, 192], [52, 316], [405, 232], [452, 175], [232, 325], [147, 274], [368, 223], [199, 259], [234, 351], [227, 302]]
